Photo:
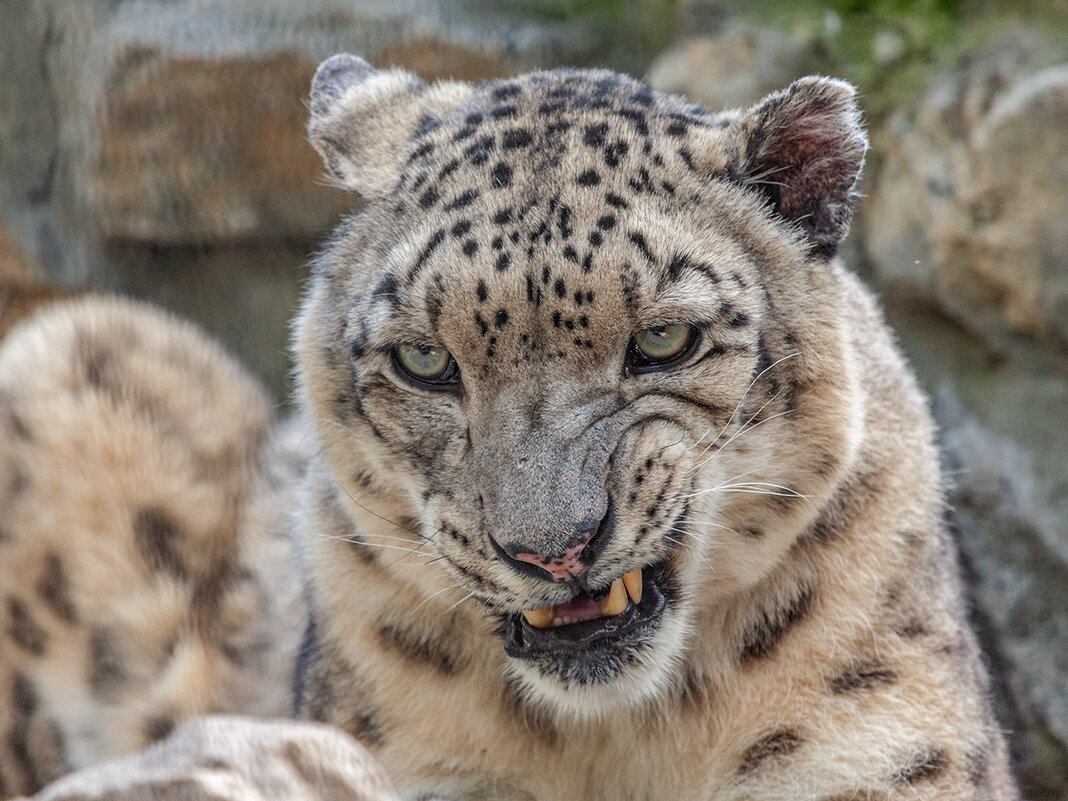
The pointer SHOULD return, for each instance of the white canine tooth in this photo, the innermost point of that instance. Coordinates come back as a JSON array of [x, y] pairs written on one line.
[[540, 618], [633, 582], [616, 600]]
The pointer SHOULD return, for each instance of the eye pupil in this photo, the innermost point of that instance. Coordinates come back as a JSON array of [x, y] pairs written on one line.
[[659, 346], [428, 365]]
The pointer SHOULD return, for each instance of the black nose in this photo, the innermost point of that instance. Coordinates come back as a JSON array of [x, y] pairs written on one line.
[[569, 561]]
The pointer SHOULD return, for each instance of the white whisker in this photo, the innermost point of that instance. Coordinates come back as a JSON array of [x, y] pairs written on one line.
[[434, 595], [738, 406]]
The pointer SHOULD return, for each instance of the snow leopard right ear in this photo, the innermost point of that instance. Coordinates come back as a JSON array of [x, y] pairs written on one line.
[[363, 120]]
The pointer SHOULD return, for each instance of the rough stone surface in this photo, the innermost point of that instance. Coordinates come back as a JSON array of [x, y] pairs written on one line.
[[197, 133], [1016, 562], [235, 759], [969, 205], [734, 67]]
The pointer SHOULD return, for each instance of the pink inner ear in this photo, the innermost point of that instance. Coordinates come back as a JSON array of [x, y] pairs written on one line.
[[805, 151]]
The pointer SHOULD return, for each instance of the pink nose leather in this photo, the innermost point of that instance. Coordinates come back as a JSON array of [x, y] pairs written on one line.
[[561, 568]]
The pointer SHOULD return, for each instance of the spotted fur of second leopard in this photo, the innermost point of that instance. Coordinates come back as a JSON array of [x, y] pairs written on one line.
[[779, 483]]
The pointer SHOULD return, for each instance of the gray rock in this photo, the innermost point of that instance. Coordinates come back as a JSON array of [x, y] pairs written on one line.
[[1016, 559], [968, 208], [733, 68], [235, 759], [187, 119]]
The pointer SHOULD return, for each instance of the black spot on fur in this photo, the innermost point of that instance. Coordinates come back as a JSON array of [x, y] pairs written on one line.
[[157, 537], [461, 228], [615, 152], [387, 288], [429, 197], [764, 635], [424, 255], [588, 178], [478, 152], [778, 744], [463, 200], [157, 727], [848, 501], [501, 174], [364, 726], [503, 260], [24, 706], [516, 138], [637, 118], [470, 247], [107, 673], [448, 169], [416, 647], [481, 291], [678, 263], [53, 588], [862, 676], [924, 765], [638, 240], [23, 629], [594, 135], [500, 320]]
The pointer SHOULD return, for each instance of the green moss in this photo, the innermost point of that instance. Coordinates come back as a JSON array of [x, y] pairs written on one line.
[[889, 48]]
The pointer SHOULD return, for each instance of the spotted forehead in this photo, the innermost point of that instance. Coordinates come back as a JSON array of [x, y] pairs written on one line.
[[528, 206], [526, 159]]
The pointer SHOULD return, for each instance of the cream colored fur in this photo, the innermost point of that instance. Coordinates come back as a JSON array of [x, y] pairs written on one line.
[[784, 477]]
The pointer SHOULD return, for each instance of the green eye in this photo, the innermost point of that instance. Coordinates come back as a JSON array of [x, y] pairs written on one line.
[[427, 365], [659, 346]]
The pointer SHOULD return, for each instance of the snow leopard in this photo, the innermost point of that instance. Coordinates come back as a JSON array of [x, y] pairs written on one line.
[[608, 479]]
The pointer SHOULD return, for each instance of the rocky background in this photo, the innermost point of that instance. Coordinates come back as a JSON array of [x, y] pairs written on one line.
[[156, 148]]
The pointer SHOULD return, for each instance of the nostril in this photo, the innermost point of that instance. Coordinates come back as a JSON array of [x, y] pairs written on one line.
[[574, 561]]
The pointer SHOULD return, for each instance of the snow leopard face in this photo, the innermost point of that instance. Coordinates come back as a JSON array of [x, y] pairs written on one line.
[[580, 333]]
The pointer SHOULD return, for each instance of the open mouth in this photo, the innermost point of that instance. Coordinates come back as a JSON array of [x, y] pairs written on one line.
[[591, 636]]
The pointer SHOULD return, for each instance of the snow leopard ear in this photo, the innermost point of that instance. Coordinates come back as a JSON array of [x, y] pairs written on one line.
[[804, 148], [363, 120]]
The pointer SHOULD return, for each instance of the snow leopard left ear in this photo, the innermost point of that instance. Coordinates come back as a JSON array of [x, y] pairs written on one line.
[[363, 120], [804, 148]]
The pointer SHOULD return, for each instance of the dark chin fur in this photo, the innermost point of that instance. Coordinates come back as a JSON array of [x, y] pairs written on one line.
[[594, 653]]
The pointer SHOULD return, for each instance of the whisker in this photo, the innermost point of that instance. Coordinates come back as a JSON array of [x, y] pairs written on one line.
[[738, 406], [744, 429], [714, 524], [360, 541], [433, 595], [465, 598]]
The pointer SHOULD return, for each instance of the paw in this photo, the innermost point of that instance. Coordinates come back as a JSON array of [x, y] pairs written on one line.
[[235, 759]]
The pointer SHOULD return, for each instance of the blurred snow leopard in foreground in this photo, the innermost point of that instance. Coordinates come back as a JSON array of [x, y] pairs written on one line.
[[608, 483]]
